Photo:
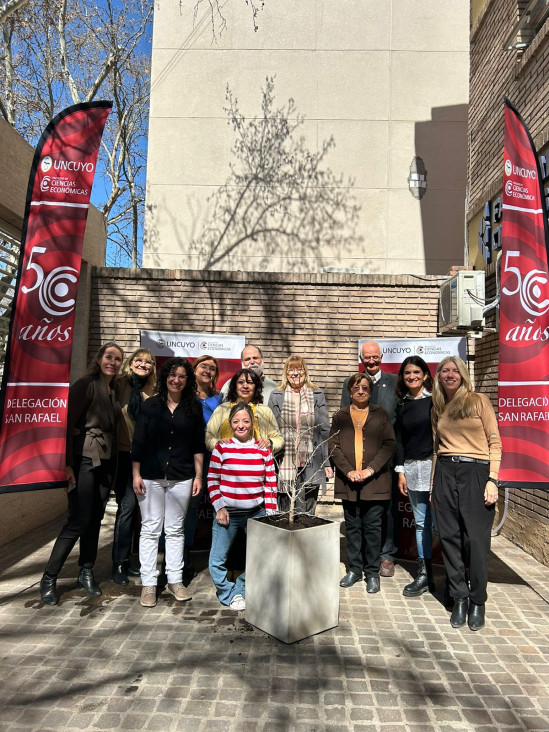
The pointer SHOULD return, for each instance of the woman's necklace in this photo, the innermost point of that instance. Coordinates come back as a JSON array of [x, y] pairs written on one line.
[[171, 404], [362, 415]]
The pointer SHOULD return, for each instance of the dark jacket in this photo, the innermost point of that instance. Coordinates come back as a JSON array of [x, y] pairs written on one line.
[[379, 447], [93, 415]]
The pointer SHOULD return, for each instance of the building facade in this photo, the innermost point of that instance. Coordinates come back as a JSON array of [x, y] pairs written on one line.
[[509, 58], [389, 81]]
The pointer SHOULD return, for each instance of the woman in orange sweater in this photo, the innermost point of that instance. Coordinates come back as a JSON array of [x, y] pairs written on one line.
[[465, 485]]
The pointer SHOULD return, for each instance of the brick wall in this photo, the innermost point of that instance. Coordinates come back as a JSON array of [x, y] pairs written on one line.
[[320, 316]]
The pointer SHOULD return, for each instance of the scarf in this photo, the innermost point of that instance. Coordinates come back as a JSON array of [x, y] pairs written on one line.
[[137, 383], [297, 422]]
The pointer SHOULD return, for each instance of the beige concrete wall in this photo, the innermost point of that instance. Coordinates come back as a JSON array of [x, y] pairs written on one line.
[[21, 512], [388, 79]]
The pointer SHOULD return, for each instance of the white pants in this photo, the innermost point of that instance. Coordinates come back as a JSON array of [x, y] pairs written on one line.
[[163, 505]]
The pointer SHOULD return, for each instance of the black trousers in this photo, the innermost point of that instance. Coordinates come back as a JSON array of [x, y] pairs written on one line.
[[363, 527], [87, 503], [463, 518], [127, 513]]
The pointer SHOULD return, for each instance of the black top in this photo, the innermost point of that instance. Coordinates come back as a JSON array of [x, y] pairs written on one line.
[[165, 443], [413, 431]]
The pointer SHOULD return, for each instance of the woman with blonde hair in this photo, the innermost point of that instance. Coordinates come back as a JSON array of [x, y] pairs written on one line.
[[136, 384], [465, 485], [302, 415]]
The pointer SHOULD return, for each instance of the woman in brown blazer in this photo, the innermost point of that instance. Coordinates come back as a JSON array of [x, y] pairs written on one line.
[[362, 443], [92, 419]]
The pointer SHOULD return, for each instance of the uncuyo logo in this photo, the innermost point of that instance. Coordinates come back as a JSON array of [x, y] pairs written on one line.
[[161, 343], [46, 164], [508, 167]]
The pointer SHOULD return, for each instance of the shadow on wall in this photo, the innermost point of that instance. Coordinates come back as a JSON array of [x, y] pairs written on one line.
[[281, 202], [441, 157]]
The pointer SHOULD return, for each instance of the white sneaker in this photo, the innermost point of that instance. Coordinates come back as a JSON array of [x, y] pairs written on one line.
[[238, 603]]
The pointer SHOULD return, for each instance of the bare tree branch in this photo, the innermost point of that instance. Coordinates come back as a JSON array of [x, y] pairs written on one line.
[[9, 8], [63, 55], [60, 52]]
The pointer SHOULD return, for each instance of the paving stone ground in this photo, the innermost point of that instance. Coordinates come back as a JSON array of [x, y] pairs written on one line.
[[391, 664]]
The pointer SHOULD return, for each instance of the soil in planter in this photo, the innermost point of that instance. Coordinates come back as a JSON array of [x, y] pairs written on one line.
[[301, 521]]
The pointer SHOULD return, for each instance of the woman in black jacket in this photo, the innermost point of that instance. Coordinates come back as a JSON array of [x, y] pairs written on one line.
[[93, 414], [414, 461]]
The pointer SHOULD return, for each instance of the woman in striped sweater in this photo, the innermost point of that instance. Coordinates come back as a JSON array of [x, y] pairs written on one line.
[[242, 485]]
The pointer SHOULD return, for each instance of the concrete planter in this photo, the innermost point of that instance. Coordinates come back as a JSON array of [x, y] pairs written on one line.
[[292, 579]]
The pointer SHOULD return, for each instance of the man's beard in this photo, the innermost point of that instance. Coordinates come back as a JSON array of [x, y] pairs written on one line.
[[257, 368]]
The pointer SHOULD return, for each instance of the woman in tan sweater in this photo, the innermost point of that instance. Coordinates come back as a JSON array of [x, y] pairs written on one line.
[[465, 485]]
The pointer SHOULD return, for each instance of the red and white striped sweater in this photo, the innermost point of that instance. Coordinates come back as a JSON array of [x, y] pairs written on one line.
[[242, 475]]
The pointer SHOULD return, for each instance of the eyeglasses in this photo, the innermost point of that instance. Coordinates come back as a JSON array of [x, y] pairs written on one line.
[[143, 361], [371, 358], [296, 372], [355, 389]]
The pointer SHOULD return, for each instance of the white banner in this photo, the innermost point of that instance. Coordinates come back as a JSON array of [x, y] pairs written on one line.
[[431, 350], [166, 344]]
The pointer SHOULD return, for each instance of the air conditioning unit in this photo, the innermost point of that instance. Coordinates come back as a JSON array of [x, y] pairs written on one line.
[[461, 302]]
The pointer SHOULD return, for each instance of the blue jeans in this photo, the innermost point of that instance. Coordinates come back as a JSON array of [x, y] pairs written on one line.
[[222, 539], [425, 519]]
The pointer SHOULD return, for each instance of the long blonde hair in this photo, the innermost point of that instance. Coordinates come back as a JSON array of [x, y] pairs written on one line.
[[298, 361], [465, 402]]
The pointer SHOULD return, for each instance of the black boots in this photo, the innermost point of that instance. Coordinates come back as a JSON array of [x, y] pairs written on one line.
[[476, 616], [459, 613], [87, 582], [48, 590], [119, 573], [423, 581]]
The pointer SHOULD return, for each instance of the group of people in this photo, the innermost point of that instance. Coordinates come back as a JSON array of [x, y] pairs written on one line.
[[441, 441], [162, 439]]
